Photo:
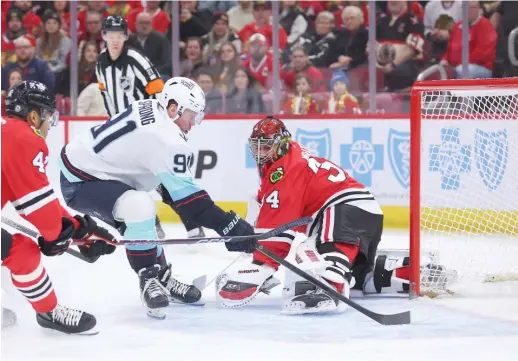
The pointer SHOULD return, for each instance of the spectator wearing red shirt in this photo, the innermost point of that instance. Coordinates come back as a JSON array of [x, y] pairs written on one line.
[[160, 19], [262, 25], [31, 21], [259, 62], [302, 102], [482, 45], [97, 6], [340, 100], [300, 64], [15, 29]]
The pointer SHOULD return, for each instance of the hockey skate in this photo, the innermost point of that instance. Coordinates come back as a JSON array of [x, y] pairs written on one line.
[[179, 292], [310, 299], [153, 294], [68, 320]]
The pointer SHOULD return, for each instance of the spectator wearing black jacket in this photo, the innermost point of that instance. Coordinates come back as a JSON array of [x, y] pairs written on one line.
[[318, 42], [350, 48], [293, 20], [194, 22], [243, 97], [152, 43]]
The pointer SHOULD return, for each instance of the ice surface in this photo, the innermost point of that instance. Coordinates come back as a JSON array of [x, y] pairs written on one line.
[[445, 329]]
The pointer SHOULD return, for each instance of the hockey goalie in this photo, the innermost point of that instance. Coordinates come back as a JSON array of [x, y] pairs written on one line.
[[341, 244]]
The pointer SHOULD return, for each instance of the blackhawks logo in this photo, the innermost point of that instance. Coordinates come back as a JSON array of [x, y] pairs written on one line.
[[277, 175]]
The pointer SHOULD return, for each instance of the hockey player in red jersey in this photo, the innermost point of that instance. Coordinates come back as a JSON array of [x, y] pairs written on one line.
[[342, 239], [32, 110]]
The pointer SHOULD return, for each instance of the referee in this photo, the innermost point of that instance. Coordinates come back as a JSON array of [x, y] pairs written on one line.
[[125, 76]]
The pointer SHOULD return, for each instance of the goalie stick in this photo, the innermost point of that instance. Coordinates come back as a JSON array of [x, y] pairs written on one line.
[[34, 234], [402, 318], [203, 240]]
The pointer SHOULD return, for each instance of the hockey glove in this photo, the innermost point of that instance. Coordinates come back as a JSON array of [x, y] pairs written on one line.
[[59, 245], [235, 226], [96, 238]]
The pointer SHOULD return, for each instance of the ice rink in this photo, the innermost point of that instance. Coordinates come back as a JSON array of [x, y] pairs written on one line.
[[474, 328]]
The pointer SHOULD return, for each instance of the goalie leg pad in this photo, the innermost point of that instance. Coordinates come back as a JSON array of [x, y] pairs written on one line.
[[390, 275], [138, 211], [240, 286]]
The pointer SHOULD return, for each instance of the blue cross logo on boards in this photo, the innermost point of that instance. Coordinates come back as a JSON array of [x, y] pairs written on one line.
[[362, 156], [450, 158]]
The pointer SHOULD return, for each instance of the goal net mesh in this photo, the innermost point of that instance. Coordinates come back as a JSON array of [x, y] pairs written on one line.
[[469, 188]]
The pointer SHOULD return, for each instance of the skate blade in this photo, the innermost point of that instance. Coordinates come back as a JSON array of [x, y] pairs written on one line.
[[198, 303], [91, 332], [156, 313], [297, 308]]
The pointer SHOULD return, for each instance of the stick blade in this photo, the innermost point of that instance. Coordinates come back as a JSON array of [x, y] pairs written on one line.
[[402, 318]]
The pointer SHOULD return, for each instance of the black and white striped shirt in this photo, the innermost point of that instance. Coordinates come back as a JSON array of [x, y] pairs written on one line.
[[129, 78]]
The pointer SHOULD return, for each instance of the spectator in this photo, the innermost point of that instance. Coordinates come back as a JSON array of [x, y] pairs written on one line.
[[300, 64], [262, 25], [53, 45], [14, 76], [61, 8], [226, 66], [504, 21], [93, 31], [32, 67], [122, 8], [293, 20], [340, 101], [160, 20], [92, 6], [193, 62], [215, 6], [213, 98], [439, 17], [350, 48], [31, 21], [90, 102], [14, 30], [400, 35], [240, 15], [482, 45], [311, 9], [86, 70], [193, 22], [152, 43], [362, 5], [220, 34], [259, 62], [243, 97], [303, 101], [318, 42]]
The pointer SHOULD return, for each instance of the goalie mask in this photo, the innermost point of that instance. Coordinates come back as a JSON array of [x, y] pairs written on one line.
[[270, 140]]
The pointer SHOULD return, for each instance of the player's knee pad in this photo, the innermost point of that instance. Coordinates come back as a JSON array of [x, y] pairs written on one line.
[[138, 212], [24, 256]]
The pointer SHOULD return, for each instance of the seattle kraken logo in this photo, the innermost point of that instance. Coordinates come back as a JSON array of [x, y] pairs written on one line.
[[491, 151], [399, 155]]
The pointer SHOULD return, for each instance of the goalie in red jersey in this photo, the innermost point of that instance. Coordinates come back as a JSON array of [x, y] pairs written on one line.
[[341, 241], [32, 110]]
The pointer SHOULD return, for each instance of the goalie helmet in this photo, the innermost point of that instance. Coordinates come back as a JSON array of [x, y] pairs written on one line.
[[186, 94], [31, 95], [270, 140]]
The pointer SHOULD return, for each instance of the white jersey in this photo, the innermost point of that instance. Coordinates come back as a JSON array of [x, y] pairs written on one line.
[[141, 147]]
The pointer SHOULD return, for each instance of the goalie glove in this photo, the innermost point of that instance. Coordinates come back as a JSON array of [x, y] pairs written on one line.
[[96, 238]]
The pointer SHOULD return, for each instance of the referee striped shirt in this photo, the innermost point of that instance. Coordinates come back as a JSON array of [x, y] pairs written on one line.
[[129, 78]]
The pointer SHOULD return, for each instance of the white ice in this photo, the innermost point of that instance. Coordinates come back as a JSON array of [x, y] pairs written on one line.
[[445, 329]]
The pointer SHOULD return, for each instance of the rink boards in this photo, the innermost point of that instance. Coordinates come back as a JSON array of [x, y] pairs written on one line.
[[464, 164]]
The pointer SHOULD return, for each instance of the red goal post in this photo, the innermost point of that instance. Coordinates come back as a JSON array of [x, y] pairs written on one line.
[[455, 102]]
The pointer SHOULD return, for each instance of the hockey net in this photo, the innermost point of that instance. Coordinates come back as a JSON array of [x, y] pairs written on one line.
[[464, 185]]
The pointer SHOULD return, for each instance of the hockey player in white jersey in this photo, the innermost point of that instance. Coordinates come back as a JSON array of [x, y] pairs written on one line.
[[108, 171]]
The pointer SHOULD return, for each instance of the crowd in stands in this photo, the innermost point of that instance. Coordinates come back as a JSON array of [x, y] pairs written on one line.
[[227, 47]]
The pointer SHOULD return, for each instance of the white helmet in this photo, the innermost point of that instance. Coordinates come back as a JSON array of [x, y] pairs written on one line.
[[186, 93]]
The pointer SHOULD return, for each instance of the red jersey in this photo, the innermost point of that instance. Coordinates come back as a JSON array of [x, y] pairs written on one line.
[[267, 30], [24, 182], [300, 184], [261, 71], [161, 21], [318, 81], [482, 44], [301, 105]]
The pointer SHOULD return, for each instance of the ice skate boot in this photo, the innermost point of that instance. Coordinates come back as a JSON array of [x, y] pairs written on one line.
[[68, 320], [153, 294], [177, 291]]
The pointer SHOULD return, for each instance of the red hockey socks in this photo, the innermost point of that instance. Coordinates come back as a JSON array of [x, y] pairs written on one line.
[[29, 275]]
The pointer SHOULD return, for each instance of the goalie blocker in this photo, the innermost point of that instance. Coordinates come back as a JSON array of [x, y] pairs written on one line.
[[341, 243]]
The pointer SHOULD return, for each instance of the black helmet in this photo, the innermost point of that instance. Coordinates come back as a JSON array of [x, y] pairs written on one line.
[[31, 95], [115, 23]]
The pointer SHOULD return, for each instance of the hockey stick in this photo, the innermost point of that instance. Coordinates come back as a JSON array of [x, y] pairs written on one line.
[[402, 318], [202, 240], [35, 234]]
